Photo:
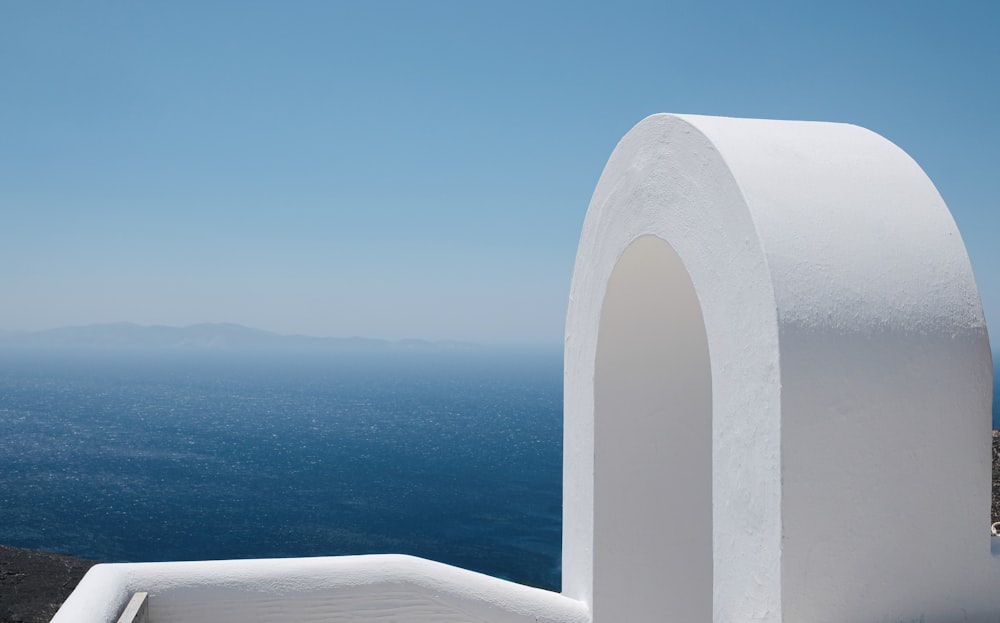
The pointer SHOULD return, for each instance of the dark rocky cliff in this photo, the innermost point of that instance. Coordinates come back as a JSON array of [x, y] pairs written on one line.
[[34, 584]]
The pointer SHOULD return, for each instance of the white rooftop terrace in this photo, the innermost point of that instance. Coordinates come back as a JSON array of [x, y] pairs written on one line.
[[777, 408]]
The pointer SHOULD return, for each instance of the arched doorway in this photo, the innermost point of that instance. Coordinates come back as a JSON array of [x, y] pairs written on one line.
[[653, 443]]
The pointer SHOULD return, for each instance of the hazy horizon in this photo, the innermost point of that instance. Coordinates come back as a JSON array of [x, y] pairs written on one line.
[[5, 332], [221, 323]]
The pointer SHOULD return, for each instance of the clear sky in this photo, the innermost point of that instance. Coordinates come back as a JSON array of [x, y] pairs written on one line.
[[419, 169]]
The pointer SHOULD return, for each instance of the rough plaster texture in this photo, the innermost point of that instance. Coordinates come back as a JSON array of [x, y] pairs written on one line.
[[850, 378], [777, 408]]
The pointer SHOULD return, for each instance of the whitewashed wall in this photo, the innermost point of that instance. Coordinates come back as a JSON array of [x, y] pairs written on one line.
[[850, 380]]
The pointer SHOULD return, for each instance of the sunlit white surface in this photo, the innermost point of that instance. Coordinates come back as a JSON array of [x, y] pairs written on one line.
[[850, 381], [343, 588]]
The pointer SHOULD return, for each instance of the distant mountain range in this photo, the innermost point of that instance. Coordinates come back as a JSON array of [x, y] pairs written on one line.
[[208, 336]]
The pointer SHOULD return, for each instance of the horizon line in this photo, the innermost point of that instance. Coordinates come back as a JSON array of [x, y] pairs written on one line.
[[237, 325]]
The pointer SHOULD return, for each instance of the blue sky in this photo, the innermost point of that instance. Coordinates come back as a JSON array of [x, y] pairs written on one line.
[[419, 169]]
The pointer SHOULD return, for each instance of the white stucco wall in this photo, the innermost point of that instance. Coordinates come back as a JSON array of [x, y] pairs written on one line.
[[666, 179], [850, 375]]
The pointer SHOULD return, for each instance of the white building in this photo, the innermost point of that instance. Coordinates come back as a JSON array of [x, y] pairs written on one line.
[[777, 408]]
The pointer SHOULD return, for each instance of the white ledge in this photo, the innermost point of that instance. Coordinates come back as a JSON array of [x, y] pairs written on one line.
[[384, 587]]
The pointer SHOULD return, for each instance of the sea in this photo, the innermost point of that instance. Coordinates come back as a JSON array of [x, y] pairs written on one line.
[[454, 456]]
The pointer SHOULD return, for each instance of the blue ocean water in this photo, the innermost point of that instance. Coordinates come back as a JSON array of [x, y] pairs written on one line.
[[452, 456]]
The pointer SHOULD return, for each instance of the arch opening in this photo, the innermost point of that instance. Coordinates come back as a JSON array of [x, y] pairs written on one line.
[[653, 443]]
